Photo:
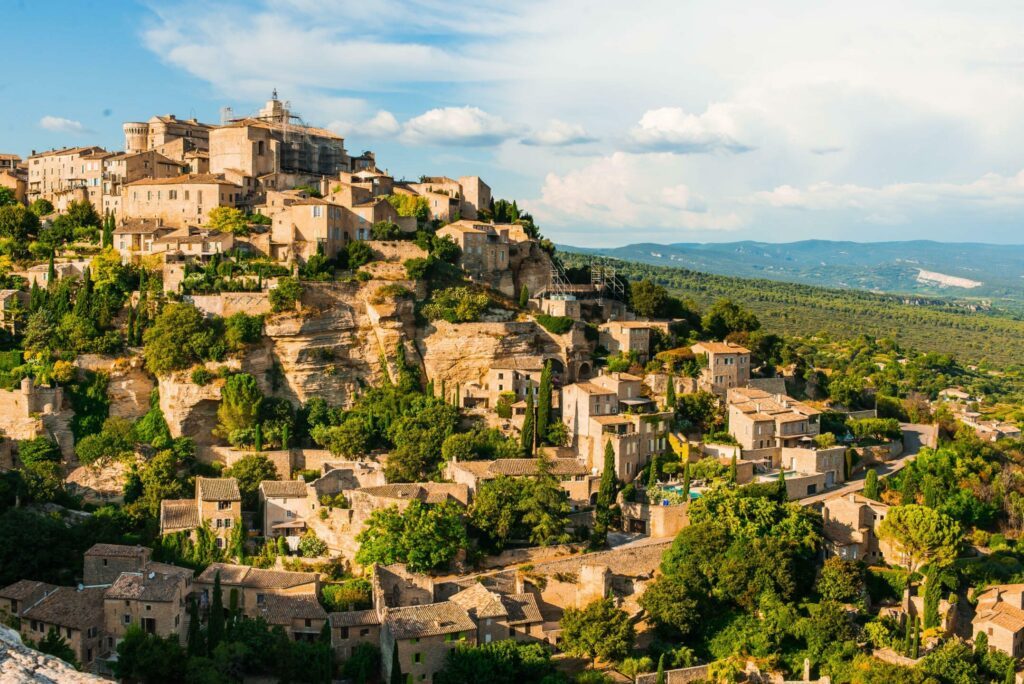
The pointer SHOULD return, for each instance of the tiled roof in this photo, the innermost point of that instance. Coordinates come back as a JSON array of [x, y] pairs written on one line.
[[145, 586], [637, 561], [185, 179], [69, 607], [68, 150], [140, 227], [720, 348], [428, 492], [178, 514], [290, 489], [118, 551], [256, 577], [1004, 615], [480, 603], [280, 609], [591, 388], [414, 622], [24, 589], [521, 608], [355, 618], [217, 489], [519, 467]]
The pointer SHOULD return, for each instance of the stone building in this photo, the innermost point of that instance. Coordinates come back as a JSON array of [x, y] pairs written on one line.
[[161, 132], [255, 588], [728, 366], [851, 529], [285, 505], [217, 502], [154, 599], [349, 629], [104, 563], [626, 337], [760, 420], [485, 246], [66, 175], [1000, 617], [574, 475], [77, 616], [422, 636], [180, 201]]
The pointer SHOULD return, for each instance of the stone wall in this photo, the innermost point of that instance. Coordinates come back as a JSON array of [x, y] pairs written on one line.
[[680, 676], [228, 303]]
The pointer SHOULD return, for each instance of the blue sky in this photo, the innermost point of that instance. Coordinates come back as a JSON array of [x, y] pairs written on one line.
[[659, 120]]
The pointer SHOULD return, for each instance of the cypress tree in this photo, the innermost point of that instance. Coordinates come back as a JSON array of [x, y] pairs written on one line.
[[108, 231], [258, 437], [233, 602], [282, 546], [544, 403], [529, 426], [871, 485], [783, 493], [130, 335], [686, 479], [396, 667], [660, 679], [195, 644], [444, 396], [51, 272], [652, 478], [732, 469], [605, 498], [524, 297], [35, 299], [513, 213], [670, 392], [215, 628], [284, 437], [916, 650], [82, 300]]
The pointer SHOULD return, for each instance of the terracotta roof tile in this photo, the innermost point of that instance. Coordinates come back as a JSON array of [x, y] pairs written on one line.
[[480, 603], [256, 577], [69, 607], [432, 619], [185, 179], [354, 618], [118, 551], [282, 609], [290, 489], [146, 586], [522, 608], [25, 589], [178, 514], [217, 489]]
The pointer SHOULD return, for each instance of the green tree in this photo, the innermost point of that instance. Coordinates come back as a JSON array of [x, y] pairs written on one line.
[[250, 470], [311, 546], [598, 631], [922, 535], [524, 297], [529, 433], [194, 642], [605, 498], [660, 678], [228, 220], [547, 508], [498, 509], [423, 536], [239, 406], [7, 197], [648, 299], [396, 667], [670, 392], [841, 580], [285, 295], [55, 645], [41, 207], [733, 468], [363, 665], [725, 317], [215, 622], [544, 390], [178, 338], [871, 485], [149, 659]]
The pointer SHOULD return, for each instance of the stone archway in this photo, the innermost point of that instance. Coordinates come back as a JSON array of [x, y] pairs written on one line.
[[585, 371]]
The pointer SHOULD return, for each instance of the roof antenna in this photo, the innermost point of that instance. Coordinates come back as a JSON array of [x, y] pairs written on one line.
[[273, 95]]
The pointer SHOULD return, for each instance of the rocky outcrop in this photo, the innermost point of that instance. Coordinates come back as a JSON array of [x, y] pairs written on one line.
[[190, 409], [130, 385], [18, 663]]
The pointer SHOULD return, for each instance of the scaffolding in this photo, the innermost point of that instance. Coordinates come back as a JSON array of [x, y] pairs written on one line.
[[604, 282]]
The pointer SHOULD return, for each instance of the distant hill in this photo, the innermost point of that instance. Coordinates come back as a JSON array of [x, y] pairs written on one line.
[[974, 271]]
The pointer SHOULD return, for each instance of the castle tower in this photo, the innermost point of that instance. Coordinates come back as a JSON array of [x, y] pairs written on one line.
[[136, 136]]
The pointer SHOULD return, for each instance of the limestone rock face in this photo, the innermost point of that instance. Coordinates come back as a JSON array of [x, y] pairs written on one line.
[[20, 664], [130, 385], [531, 266], [190, 409]]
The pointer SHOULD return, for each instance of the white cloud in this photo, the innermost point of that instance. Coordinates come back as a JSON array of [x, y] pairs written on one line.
[[559, 134], [383, 124], [899, 202], [469, 126], [626, 190], [670, 129], [59, 124]]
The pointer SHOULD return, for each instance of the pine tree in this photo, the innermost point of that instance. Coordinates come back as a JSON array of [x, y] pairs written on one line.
[[524, 297], [732, 469], [195, 637], [871, 485], [660, 679], [544, 403], [670, 392], [513, 212], [529, 427], [36, 299], [82, 299], [215, 626], [547, 507]]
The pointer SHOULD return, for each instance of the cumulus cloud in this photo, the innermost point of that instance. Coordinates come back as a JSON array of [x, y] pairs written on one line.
[[670, 129], [469, 126], [383, 124], [59, 124], [626, 190], [559, 134]]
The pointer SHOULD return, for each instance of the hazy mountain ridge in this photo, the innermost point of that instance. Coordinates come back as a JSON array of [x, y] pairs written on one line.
[[952, 270]]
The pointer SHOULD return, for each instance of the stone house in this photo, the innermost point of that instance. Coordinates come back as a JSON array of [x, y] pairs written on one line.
[[444, 201], [65, 175], [161, 132], [134, 238], [180, 201], [485, 246], [574, 475], [217, 502], [626, 337], [422, 636], [349, 629], [728, 366], [300, 616], [127, 167], [104, 563], [192, 243], [306, 227], [255, 585], [518, 376], [154, 599], [850, 527], [1000, 616], [18, 597], [285, 505], [75, 613], [501, 616], [760, 420], [14, 180]]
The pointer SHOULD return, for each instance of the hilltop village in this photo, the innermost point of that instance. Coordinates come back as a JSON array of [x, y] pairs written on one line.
[[271, 412]]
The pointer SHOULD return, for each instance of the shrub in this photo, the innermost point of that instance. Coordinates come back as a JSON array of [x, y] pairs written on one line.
[[558, 325], [386, 230], [353, 594], [285, 295], [457, 305], [359, 254], [312, 546], [201, 376], [392, 291]]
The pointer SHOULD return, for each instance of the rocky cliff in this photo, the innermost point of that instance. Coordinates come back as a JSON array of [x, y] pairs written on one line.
[[18, 663]]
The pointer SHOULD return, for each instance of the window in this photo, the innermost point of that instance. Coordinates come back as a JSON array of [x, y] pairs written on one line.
[[149, 607], [223, 505], [344, 632], [172, 194], [417, 657], [364, 632], [104, 562], [127, 619], [227, 522]]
